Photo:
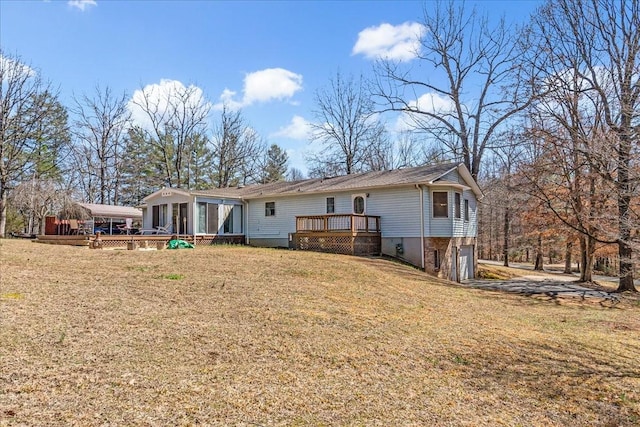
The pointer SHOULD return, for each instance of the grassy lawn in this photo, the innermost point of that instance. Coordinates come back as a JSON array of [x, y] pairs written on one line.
[[242, 336]]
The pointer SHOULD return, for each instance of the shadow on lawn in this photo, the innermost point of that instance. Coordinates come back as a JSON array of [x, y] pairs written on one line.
[[585, 379]]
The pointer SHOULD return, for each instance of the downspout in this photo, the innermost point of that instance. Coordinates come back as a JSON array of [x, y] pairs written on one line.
[[246, 222], [419, 188], [193, 216]]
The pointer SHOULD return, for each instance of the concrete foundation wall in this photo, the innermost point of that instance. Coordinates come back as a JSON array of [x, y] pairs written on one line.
[[404, 248], [270, 243]]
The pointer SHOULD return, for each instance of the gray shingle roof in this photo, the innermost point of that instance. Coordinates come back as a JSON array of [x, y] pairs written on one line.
[[360, 181]]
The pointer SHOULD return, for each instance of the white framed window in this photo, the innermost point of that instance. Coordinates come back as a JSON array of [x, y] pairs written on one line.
[[270, 209], [331, 205], [466, 209], [359, 203], [207, 215], [457, 206], [440, 204]]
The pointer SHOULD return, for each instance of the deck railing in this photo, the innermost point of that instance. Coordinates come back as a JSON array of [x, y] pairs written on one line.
[[338, 222]]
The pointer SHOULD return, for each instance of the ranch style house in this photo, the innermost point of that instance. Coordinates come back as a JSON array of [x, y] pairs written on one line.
[[426, 216]]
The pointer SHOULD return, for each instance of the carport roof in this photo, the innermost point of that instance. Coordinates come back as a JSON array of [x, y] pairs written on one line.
[[111, 211]]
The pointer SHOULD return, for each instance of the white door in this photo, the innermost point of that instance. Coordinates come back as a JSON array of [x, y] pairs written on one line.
[[466, 262]]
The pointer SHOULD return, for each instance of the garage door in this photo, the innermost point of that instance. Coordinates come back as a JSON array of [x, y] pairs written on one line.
[[466, 262]]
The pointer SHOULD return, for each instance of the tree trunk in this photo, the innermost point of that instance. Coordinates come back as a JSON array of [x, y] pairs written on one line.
[[491, 233], [624, 203], [567, 258], [3, 211], [539, 256], [587, 249], [505, 247], [626, 268]]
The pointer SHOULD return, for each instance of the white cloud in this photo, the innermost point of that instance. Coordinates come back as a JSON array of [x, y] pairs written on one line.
[[429, 102], [227, 99], [386, 41], [12, 68], [299, 129], [433, 102], [263, 86], [82, 4], [161, 97]]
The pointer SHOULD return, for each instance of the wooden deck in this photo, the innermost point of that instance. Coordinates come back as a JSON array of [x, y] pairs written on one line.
[[136, 240], [338, 233]]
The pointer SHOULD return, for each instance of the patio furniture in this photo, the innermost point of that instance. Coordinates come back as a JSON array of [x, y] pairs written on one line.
[[74, 226], [164, 230]]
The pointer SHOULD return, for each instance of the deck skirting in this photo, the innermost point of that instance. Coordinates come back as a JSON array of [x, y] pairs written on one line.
[[346, 242], [143, 241]]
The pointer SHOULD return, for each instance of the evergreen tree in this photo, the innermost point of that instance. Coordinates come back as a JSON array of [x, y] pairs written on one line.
[[275, 167]]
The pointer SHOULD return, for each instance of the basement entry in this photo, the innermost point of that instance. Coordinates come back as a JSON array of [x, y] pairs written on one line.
[[466, 262]]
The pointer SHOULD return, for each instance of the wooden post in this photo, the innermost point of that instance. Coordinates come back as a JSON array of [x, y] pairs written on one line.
[[97, 243]]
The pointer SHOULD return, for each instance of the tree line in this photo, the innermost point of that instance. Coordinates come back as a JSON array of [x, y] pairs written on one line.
[[95, 152], [544, 115]]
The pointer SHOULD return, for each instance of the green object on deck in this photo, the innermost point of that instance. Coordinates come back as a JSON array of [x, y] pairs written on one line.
[[179, 244]]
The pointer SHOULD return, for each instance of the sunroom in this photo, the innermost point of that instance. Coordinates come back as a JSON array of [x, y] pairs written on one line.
[[203, 218]]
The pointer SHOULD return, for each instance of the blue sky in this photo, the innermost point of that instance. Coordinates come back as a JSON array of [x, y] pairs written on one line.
[[266, 57]]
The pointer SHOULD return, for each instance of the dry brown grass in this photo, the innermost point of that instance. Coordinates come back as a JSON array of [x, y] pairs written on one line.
[[498, 272], [244, 336]]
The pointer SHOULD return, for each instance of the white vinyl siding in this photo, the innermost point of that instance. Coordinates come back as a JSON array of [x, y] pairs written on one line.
[[399, 209], [471, 226], [452, 176], [284, 221]]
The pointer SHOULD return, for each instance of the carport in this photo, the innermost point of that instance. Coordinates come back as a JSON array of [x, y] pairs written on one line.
[[111, 219]]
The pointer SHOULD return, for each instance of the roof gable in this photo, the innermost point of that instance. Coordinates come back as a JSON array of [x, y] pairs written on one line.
[[163, 191]]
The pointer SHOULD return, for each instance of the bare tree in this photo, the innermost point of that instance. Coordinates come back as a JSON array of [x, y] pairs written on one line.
[[173, 116], [295, 174], [101, 128], [30, 120], [34, 200], [237, 150], [346, 127], [598, 42], [471, 87]]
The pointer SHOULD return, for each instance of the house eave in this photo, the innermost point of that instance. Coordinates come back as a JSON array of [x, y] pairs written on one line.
[[466, 175], [334, 191]]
